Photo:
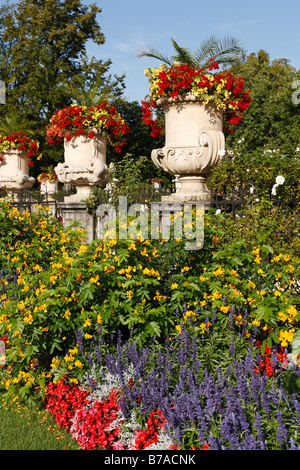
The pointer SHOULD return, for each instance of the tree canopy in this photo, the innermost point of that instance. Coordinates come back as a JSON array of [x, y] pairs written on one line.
[[272, 121], [43, 56]]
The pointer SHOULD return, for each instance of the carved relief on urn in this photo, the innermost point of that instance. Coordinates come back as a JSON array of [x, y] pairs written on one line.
[[84, 166], [194, 144]]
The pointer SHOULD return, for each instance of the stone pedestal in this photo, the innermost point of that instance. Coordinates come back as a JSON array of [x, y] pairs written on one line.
[[76, 211]]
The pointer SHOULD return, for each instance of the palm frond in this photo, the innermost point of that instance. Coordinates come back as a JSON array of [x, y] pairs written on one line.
[[155, 55], [227, 51], [205, 51], [183, 55]]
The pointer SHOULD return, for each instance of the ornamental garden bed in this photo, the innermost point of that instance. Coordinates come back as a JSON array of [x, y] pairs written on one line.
[[142, 344]]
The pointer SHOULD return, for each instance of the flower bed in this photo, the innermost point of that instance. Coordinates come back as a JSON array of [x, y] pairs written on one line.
[[170, 398], [157, 294]]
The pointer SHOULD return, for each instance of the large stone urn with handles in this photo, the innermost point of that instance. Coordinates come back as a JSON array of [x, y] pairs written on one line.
[[194, 144], [84, 166], [14, 172]]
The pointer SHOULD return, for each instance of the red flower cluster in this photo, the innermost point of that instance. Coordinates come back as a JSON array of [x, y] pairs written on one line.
[[62, 401], [148, 436], [90, 425], [20, 142], [156, 129], [222, 89], [79, 120], [266, 365]]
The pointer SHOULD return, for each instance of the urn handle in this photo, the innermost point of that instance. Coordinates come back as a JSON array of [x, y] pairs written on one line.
[[214, 144]]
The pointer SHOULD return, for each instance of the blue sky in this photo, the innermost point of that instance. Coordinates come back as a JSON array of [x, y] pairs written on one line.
[[272, 25]]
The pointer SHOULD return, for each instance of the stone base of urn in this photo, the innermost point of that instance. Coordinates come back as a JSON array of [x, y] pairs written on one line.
[[76, 212], [190, 190]]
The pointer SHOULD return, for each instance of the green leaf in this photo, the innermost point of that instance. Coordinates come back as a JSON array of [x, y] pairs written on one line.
[[87, 291], [153, 328], [263, 313], [237, 261], [268, 249]]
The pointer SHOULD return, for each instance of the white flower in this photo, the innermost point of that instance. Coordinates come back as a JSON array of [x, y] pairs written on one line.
[[251, 189], [218, 211], [221, 152], [280, 179], [274, 189]]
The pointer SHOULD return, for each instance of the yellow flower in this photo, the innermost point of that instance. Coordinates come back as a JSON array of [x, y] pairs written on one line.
[[174, 285], [219, 272], [185, 268], [78, 364], [129, 293], [95, 280], [225, 308], [67, 314], [216, 295], [286, 337], [109, 269], [87, 323]]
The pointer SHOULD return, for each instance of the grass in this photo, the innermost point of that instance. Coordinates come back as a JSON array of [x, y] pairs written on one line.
[[24, 428]]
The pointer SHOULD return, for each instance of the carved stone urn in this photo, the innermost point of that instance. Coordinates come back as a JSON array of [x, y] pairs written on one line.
[[49, 188], [84, 165], [194, 143], [14, 172]]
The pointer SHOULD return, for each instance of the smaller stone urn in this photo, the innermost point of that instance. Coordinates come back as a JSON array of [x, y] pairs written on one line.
[[49, 188], [194, 143], [84, 165], [14, 172]]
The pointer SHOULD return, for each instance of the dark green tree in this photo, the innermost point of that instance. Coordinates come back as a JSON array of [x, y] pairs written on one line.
[[45, 66], [139, 141], [43, 55]]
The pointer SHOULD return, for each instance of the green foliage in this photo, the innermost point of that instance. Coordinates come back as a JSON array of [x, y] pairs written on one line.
[[53, 285], [272, 120], [225, 52], [44, 48], [127, 180]]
